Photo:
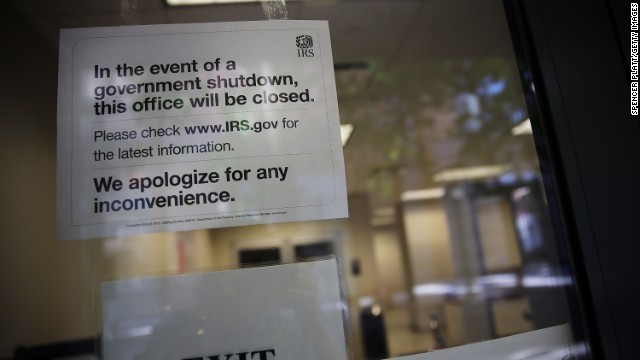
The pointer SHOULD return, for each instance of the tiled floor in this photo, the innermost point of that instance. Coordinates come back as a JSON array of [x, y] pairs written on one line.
[[400, 338], [403, 340]]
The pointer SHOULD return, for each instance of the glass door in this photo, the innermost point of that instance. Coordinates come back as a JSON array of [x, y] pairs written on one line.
[[449, 242]]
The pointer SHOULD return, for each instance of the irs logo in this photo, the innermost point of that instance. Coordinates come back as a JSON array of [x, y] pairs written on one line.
[[305, 45]]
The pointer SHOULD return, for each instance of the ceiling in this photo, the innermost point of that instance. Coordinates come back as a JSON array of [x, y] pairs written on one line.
[[380, 49], [381, 30]]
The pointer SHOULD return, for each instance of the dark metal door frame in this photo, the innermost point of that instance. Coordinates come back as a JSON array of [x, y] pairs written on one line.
[[589, 143]]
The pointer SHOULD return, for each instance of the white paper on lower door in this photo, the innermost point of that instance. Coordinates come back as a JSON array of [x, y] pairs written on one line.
[[291, 311]]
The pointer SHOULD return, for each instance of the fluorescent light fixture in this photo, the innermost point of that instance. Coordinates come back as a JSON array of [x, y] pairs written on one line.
[[536, 281], [205, 2], [366, 301], [434, 289], [425, 194], [345, 133], [523, 128], [519, 193], [468, 173], [499, 280]]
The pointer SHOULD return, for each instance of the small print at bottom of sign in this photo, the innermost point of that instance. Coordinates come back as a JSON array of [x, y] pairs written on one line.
[[282, 312]]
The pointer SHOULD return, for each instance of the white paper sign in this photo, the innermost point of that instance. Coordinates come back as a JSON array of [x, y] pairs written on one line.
[[177, 127], [285, 312]]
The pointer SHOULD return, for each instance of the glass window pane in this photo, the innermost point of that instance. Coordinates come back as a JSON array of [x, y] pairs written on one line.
[[449, 240]]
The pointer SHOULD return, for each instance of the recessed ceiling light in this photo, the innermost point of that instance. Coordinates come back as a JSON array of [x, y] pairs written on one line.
[[425, 194], [522, 128], [204, 2], [467, 173], [345, 133]]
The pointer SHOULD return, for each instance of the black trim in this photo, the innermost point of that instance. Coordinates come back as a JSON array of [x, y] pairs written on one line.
[[61, 350], [588, 146], [553, 175]]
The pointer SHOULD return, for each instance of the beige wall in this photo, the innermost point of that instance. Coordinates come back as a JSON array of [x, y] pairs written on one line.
[[449, 248], [497, 234], [429, 251], [42, 282], [388, 254], [427, 235]]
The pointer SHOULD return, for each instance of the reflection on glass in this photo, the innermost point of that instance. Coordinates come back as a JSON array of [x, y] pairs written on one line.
[[448, 240]]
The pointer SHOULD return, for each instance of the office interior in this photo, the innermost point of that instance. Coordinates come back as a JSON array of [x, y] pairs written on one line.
[[448, 240]]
